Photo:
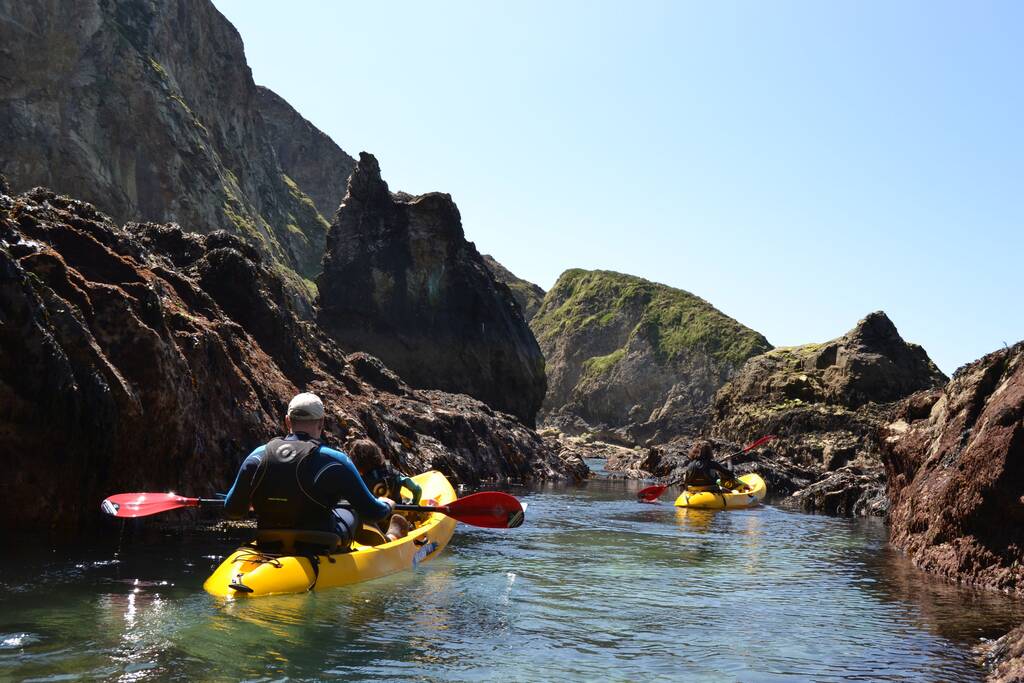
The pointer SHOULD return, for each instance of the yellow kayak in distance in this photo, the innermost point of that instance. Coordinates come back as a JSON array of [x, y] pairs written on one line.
[[262, 574], [713, 500]]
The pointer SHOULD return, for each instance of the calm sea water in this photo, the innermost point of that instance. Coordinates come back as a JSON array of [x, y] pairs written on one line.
[[593, 586]]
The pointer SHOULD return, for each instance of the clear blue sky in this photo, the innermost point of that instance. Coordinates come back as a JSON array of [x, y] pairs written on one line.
[[797, 164]]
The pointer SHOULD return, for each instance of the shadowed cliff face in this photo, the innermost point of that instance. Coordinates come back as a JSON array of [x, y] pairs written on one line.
[[309, 158], [149, 358], [149, 111], [528, 295], [635, 356], [401, 282]]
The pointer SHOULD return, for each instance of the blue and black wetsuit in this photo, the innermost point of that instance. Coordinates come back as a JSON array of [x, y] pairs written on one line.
[[296, 483]]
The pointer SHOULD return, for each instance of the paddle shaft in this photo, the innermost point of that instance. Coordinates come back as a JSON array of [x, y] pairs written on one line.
[[214, 502], [420, 508], [486, 509]]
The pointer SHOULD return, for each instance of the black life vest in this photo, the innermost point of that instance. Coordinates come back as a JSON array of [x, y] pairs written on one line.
[[283, 497], [699, 473]]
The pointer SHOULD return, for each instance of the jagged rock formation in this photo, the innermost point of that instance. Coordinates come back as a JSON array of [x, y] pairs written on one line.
[[149, 111], [148, 358], [954, 459], [528, 295], [635, 356], [827, 402], [401, 282]]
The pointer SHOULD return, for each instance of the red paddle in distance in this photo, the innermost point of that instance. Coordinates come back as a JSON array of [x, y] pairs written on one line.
[[490, 509], [651, 493]]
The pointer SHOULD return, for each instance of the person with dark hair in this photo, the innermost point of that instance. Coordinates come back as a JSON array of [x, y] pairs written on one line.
[[295, 483], [702, 473], [384, 481]]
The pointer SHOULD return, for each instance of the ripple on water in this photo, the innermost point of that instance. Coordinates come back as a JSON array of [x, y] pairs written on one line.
[[594, 585], [16, 641]]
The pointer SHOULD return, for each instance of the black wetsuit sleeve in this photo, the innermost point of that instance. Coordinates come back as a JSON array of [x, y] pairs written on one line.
[[722, 471], [337, 478], [236, 505]]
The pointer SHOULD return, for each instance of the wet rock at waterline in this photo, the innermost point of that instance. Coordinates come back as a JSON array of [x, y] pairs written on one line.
[[954, 459], [148, 358], [401, 281], [1004, 657]]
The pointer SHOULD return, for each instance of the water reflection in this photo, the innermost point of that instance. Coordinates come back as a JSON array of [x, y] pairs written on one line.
[[593, 586]]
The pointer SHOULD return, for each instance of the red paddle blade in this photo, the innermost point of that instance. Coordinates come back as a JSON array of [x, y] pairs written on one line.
[[145, 504], [490, 509], [651, 493], [759, 442]]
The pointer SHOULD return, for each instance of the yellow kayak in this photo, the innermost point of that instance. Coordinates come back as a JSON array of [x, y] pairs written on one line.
[[749, 497], [258, 574]]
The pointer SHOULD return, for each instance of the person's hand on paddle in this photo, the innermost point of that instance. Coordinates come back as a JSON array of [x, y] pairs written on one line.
[[387, 501]]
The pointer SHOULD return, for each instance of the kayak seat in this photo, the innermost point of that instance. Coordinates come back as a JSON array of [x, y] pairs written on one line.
[[297, 541]]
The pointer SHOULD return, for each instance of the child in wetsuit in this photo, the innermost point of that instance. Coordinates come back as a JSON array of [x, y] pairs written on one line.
[[369, 460]]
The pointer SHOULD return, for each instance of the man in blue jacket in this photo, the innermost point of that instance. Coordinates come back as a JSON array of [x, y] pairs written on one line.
[[295, 482]]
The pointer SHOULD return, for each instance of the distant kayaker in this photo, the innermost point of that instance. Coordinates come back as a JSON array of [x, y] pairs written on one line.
[[383, 481], [702, 473], [295, 482]]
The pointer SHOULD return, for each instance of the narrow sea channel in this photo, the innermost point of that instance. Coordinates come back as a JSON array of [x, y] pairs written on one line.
[[593, 587]]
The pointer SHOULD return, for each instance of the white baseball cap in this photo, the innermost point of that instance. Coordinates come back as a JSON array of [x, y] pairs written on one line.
[[306, 407]]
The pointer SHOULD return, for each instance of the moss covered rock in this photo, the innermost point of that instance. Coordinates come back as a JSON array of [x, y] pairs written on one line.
[[635, 355], [828, 403]]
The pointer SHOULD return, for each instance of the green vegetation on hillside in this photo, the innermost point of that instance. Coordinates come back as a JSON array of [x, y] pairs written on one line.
[[675, 322], [600, 365]]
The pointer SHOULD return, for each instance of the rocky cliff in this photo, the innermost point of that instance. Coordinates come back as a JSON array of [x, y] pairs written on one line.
[[528, 295], [955, 464], [954, 458], [308, 157], [149, 111], [827, 402], [401, 281], [145, 357], [635, 356]]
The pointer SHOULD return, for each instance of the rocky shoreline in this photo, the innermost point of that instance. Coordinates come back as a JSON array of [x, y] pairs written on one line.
[[165, 356], [230, 254]]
